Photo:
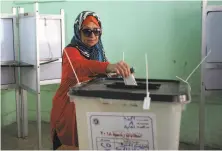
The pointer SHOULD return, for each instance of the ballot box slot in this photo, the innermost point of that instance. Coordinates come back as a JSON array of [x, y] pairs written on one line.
[[144, 80], [139, 86]]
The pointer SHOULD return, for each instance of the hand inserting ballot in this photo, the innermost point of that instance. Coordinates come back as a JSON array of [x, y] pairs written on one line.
[[120, 68]]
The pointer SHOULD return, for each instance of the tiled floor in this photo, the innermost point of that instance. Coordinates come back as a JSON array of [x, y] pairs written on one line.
[[9, 140]]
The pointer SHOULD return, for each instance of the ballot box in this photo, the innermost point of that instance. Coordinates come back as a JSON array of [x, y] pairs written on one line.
[[110, 114]]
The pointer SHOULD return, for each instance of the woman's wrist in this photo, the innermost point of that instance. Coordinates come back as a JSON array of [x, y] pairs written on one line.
[[109, 68]]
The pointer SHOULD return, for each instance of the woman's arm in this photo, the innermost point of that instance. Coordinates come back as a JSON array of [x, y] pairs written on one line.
[[82, 66]]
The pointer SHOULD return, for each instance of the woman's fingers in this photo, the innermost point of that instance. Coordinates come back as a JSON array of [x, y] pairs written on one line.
[[127, 69], [117, 71], [123, 69], [120, 68]]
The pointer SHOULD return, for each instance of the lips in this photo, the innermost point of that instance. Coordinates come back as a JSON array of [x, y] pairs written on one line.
[[90, 41]]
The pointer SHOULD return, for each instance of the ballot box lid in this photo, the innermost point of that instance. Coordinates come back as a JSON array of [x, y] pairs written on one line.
[[114, 88]]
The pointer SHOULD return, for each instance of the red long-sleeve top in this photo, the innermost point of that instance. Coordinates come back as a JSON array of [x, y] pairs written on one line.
[[63, 119]]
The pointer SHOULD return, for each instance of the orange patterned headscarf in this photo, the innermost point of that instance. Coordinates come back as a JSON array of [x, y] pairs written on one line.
[[90, 19]]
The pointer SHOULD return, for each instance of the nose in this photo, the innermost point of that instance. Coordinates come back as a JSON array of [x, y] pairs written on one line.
[[91, 35]]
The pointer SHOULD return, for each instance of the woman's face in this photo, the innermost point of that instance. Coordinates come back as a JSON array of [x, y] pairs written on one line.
[[90, 34]]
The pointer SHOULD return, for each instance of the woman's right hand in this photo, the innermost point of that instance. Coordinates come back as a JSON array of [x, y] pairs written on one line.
[[121, 68]]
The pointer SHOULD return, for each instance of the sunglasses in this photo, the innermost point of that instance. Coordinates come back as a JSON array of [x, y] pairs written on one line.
[[88, 32]]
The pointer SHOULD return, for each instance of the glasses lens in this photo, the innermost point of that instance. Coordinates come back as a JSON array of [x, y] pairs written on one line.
[[97, 32], [88, 32]]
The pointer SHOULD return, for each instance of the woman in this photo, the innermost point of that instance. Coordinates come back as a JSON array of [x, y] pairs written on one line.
[[87, 58]]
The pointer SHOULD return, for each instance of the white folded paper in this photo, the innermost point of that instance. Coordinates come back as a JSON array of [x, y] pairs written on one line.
[[130, 80]]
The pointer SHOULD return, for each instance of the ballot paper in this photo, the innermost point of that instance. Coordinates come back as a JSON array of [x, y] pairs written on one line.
[[130, 80]]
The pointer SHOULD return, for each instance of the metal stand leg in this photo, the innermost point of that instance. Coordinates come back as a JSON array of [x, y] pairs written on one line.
[[202, 121], [202, 98], [18, 109], [39, 122], [24, 114]]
